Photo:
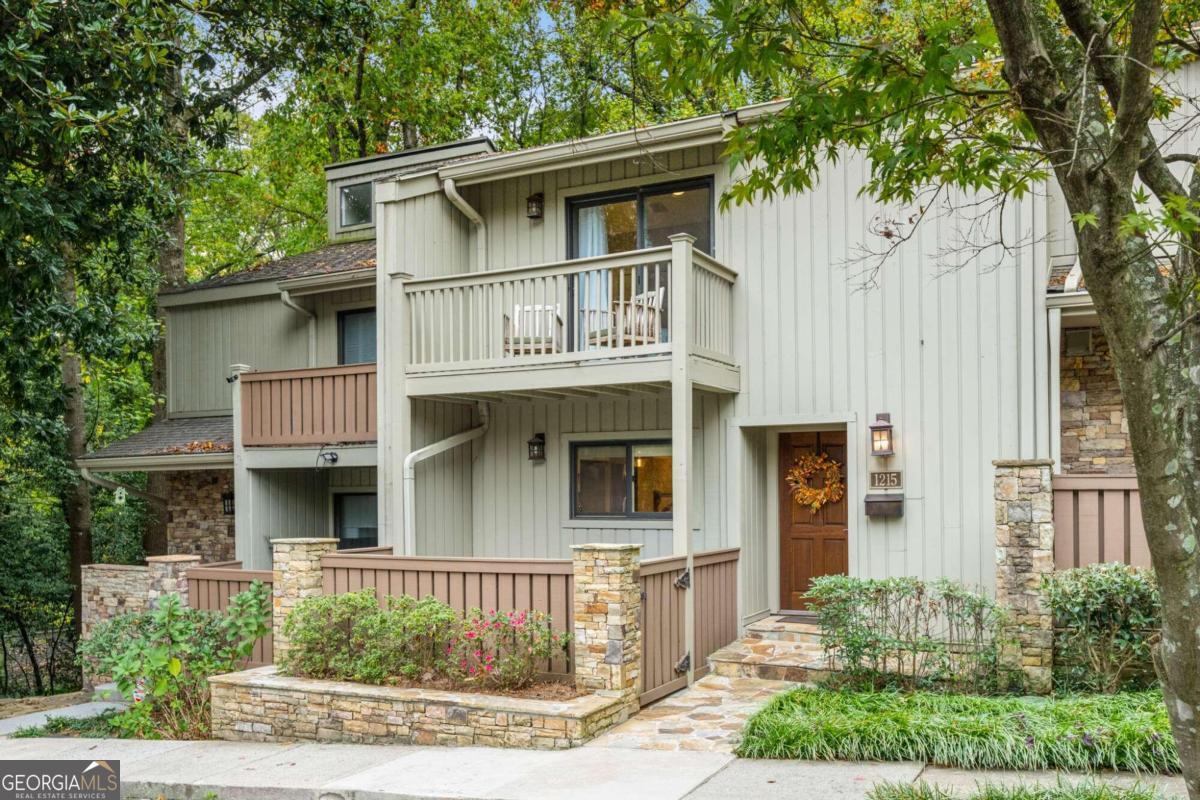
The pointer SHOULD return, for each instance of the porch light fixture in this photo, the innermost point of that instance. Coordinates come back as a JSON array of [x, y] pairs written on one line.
[[227, 502], [881, 435], [537, 447], [535, 205]]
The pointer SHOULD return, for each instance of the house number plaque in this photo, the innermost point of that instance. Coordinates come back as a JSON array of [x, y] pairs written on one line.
[[892, 479]]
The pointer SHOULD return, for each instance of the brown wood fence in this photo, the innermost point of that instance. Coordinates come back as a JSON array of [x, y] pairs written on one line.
[[1097, 519], [501, 584], [211, 587], [506, 584], [321, 405]]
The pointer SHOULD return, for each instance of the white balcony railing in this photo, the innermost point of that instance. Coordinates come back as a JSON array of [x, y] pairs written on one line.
[[605, 307]]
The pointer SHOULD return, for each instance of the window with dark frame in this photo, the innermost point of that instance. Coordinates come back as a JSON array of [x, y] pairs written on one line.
[[356, 519], [356, 336], [354, 205], [646, 216], [621, 480]]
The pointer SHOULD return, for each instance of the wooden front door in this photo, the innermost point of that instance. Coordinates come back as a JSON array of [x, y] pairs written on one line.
[[811, 543]]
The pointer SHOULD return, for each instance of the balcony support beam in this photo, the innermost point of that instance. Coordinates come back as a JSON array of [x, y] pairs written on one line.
[[681, 429]]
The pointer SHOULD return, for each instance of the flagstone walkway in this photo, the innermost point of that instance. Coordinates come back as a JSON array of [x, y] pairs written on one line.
[[706, 717]]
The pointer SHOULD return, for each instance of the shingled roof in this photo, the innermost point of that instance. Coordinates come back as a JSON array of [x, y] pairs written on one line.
[[330, 259], [188, 435]]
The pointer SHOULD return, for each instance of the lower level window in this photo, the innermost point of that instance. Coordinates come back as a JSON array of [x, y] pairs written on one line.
[[355, 520], [621, 479]]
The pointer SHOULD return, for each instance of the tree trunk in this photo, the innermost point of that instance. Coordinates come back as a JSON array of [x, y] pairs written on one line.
[[171, 273], [77, 498], [1158, 383]]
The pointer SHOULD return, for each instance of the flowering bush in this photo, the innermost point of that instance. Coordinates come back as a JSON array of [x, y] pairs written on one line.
[[507, 649], [350, 637]]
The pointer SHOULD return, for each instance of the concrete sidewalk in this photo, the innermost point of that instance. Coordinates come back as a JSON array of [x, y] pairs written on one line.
[[244, 771]]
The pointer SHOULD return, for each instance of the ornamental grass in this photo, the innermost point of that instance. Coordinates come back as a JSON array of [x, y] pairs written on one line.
[[1085, 790], [1127, 731]]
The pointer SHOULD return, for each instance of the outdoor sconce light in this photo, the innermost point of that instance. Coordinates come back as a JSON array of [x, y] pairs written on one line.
[[881, 435], [227, 502], [537, 447], [535, 205]]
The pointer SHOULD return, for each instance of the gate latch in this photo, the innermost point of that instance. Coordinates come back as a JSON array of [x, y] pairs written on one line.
[[684, 664], [684, 581]]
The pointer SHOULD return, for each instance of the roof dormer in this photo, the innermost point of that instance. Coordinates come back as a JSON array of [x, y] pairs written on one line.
[[350, 185]]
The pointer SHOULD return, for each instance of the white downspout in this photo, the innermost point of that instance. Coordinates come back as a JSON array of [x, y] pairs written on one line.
[[470, 213], [428, 451], [286, 297]]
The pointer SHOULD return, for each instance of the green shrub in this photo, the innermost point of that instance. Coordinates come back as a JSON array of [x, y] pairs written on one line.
[[1084, 790], [162, 659], [321, 633], [1107, 618], [1083, 732], [350, 637], [909, 633]]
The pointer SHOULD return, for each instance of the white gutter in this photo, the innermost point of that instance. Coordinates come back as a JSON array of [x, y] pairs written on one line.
[[428, 451], [87, 475], [462, 205], [286, 297]]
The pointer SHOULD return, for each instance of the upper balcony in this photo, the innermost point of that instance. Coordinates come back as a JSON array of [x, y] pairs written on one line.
[[572, 327], [309, 407]]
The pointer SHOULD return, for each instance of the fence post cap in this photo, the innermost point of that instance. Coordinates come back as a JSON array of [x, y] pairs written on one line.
[[1023, 462], [612, 547], [305, 540]]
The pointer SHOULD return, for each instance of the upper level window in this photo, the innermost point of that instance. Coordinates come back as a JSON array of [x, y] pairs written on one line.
[[356, 336], [616, 222], [355, 203], [621, 479]]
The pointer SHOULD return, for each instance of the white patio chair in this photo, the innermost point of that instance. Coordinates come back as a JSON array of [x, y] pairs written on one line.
[[632, 322], [533, 330]]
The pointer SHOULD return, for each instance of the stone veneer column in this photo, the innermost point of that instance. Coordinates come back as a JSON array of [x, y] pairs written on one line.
[[168, 576], [1024, 555], [607, 603], [297, 575]]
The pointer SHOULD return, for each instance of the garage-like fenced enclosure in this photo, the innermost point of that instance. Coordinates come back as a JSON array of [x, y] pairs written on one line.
[[545, 585]]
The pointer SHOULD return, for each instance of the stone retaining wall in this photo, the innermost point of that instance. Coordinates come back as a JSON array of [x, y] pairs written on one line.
[[259, 705]]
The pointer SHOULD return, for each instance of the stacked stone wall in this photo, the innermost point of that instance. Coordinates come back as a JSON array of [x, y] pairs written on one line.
[[1095, 433], [196, 521], [1024, 555]]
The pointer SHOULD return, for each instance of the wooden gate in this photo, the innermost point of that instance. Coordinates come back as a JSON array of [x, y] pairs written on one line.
[[664, 643], [1098, 519]]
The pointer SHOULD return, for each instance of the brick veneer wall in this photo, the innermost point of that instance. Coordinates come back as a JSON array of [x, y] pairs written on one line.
[[196, 523], [1095, 436]]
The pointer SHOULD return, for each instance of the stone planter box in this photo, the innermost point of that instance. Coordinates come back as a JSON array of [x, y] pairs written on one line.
[[262, 706]]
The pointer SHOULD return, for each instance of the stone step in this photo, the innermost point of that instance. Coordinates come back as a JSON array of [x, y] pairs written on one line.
[[770, 659], [776, 629]]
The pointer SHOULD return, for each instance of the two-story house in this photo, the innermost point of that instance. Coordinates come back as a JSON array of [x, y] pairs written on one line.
[[503, 354]]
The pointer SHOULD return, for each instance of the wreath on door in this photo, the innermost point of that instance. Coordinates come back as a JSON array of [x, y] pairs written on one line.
[[806, 467]]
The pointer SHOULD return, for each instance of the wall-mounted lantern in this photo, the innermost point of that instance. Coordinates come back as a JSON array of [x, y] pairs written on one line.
[[537, 447], [227, 502], [881, 435], [535, 205]]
